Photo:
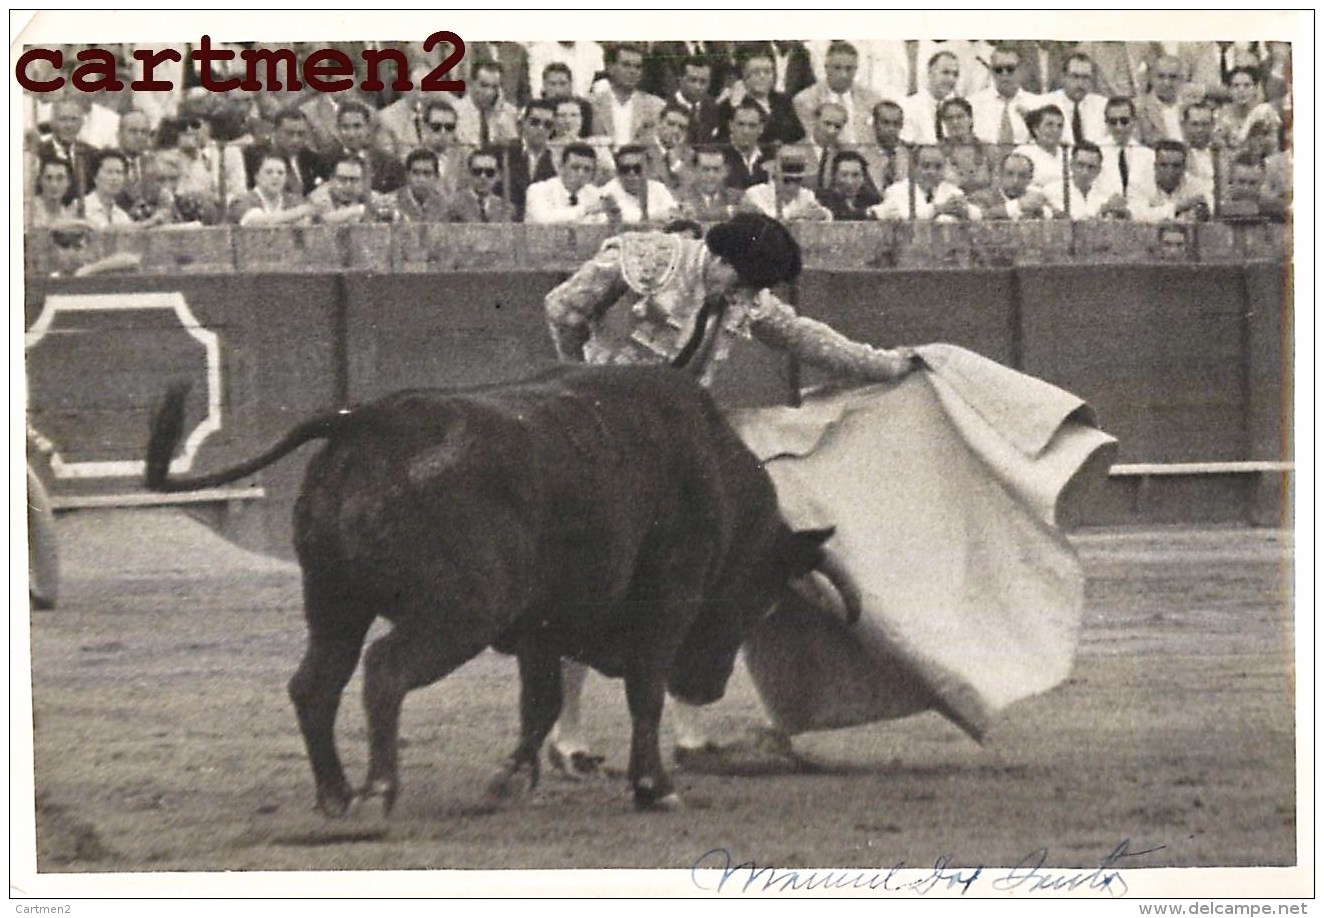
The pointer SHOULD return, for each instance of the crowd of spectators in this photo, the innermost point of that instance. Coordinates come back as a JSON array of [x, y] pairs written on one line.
[[582, 132]]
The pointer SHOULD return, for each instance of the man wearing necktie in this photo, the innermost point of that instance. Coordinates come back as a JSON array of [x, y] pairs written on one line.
[[839, 87], [999, 111], [1082, 106], [485, 117], [1128, 165], [478, 201], [825, 141]]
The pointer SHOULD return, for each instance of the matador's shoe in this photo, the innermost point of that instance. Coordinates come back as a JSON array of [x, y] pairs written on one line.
[[575, 764]]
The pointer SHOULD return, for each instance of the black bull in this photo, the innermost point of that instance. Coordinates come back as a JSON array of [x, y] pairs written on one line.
[[606, 514]]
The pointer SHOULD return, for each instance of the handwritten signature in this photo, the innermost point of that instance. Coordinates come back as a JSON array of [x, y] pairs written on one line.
[[716, 871]]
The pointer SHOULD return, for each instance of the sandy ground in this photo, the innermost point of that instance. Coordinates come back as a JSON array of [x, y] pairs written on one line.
[[164, 740]]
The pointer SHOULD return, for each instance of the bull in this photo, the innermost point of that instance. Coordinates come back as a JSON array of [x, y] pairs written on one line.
[[606, 514]]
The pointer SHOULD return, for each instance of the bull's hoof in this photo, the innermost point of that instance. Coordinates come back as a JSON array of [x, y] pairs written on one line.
[[334, 804], [510, 784], [647, 797], [577, 765]]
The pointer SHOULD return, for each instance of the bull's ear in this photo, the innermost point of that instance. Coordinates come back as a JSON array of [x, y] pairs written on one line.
[[804, 548]]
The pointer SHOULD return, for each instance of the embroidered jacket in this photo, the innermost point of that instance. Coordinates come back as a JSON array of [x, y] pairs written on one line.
[[638, 299]]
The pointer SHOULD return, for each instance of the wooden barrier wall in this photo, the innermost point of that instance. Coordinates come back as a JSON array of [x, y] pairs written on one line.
[[1184, 363]]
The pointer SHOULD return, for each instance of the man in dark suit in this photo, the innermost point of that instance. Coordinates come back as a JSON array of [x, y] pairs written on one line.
[[289, 141], [665, 63], [743, 154], [758, 74], [529, 159], [793, 68], [478, 201], [708, 198], [67, 116], [385, 173], [693, 95], [1042, 63]]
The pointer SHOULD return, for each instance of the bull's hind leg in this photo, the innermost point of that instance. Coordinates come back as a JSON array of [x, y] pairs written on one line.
[[315, 689], [539, 706], [645, 692], [395, 665]]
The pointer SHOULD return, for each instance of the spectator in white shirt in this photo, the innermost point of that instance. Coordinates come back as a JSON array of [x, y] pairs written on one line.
[[1160, 109], [1001, 109], [1088, 199], [785, 195], [1197, 131], [921, 108], [568, 198], [839, 88], [631, 197], [582, 58], [1012, 198], [1046, 125], [100, 209], [1081, 106], [1176, 195], [929, 197], [1128, 165]]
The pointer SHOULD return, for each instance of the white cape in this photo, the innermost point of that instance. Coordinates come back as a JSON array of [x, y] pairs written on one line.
[[946, 490]]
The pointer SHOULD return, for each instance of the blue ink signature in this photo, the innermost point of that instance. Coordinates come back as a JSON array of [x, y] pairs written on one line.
[[1027, 876]]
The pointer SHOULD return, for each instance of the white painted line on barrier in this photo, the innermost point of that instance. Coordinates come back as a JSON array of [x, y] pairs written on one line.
[[144, 499], [118, 302], [1202, 468]]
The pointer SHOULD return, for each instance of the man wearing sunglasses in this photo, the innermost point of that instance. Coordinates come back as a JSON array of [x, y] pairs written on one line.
[[437, 127], [345, 197], [1128, 165], [1000, 110], [635, 198], [786, 195], [479, 202], [530, 159]]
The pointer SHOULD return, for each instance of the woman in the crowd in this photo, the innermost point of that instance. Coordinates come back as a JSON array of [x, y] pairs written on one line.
[[99, 207], [269, 203], [1045, 151], [570, 127], [46, 208], [969, 165], [1247, 108]]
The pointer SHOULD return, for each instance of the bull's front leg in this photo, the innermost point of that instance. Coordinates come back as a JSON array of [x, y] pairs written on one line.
[[540, 706], [645, 692]]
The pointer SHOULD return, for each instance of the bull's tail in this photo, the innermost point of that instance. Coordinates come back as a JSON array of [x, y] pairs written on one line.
[[168, 428]]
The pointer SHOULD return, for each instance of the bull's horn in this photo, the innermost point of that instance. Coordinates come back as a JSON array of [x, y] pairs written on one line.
[[834, 569]]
